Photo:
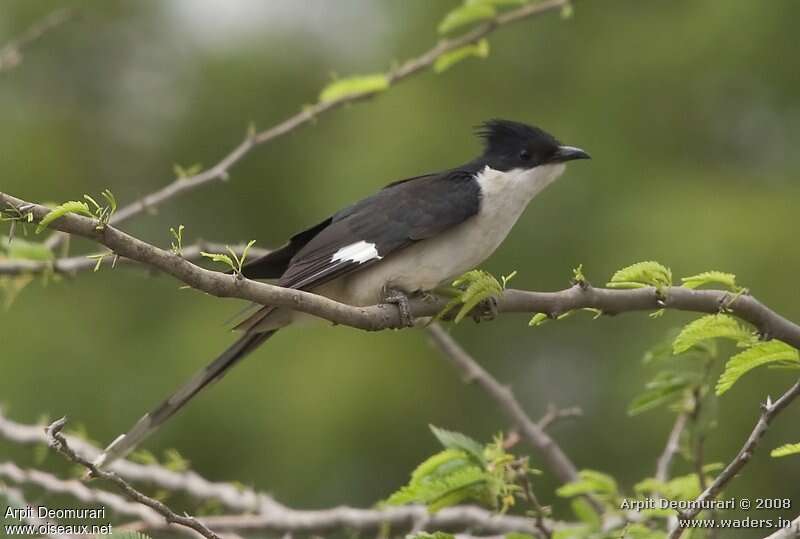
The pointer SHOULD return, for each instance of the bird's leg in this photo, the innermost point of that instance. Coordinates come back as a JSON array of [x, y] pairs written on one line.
[[399, 298], [485, 310]]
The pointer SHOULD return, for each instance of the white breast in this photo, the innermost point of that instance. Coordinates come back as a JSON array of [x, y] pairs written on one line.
[[432, 262]]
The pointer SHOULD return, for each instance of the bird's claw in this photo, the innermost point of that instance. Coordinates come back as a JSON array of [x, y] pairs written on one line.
[[485, 310], [396, 297]]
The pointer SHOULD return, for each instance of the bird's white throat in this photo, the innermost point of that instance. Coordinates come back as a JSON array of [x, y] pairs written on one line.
[[513, 189]]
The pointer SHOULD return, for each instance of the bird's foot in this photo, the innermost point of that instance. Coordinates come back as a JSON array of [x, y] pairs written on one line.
[[399, 298], [485, 310]]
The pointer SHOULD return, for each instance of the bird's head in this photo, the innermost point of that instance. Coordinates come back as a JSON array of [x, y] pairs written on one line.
[[513, 145]]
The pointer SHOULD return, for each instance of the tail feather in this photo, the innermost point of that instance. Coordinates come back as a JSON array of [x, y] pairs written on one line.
[[151, 421]]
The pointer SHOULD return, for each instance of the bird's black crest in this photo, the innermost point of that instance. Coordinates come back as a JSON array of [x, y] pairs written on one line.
[[501, 136], [510, 144]]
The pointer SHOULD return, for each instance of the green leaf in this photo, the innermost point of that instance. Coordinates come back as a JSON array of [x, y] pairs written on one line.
[[434, 535], [468, 13], [640, 275], [221, 258], [476, 286], [456, 440], [143, 456], [585, 512], [447, 60], [728, 280], [538, 319], [174, 461], [590, 482], [444, 479], [664, 388], [712, 326], [755, 356], [72, 206], [27, 250], [187, 172], [352, 86], [785, 450]]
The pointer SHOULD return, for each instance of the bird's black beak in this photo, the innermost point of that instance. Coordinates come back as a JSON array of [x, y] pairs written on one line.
[[568, 153]]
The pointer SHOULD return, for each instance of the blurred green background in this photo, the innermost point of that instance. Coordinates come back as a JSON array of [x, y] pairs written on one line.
[[691, 111]]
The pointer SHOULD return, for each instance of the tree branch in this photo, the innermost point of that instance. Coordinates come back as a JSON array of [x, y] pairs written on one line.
[[11, 52], [76, 264], [233, 497], [76, 489], [377, 317], [672, 447], [265, 514], [401, 518], [768, 412], [59, 443], [792, 531], [558, 461], [220, 171]]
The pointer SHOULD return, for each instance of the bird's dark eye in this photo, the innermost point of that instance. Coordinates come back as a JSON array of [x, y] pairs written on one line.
[[525, 155]]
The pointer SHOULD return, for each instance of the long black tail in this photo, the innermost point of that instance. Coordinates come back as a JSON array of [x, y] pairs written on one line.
[[151, 421]]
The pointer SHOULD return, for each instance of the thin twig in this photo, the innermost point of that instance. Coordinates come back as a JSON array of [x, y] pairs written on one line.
[[671, 448], [768, 412], [11, 52], [220, 171], [59, 443], [558, 461], [555, 414], [76, 264]]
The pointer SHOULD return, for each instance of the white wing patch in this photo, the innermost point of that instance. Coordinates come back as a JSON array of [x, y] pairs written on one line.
[[358, 252]]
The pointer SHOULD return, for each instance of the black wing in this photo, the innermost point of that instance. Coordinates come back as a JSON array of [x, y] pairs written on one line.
[[272, 265], [389, 220]]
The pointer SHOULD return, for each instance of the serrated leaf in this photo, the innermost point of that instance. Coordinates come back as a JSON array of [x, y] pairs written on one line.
[[468, 13], [755, 356], [447, 60], [538, 319], [456, 440], [218, 257], [351, 86], [476, 286], [712, 326], [72, 206], [666, 387], [584, 511], [590, 482], [444, 479], [640, 275], [785, 450], [728, 280]]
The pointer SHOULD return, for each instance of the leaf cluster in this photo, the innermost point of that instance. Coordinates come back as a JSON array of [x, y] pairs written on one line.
[[464, 470]]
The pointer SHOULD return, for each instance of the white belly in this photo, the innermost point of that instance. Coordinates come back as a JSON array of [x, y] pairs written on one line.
[[435, 261]]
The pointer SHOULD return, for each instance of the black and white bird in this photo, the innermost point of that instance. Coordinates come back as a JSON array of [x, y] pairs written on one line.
[[412, 236]]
